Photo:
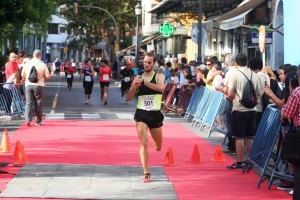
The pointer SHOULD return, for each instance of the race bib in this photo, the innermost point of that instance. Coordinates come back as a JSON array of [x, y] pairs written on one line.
[[148, 102], [69, 76], [87, 78], [105, 77], [127, 79]]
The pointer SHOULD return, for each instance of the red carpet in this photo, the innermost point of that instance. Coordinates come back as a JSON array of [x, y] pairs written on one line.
[[116, 143]]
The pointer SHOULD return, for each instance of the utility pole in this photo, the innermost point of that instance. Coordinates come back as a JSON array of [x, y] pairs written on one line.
[[199, 59]]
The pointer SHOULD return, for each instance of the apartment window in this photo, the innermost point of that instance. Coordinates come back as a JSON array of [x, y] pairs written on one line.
[[53, 28], [62, 29]]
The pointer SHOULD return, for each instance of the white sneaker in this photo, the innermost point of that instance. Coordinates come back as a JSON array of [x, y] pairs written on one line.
[[291, 192]]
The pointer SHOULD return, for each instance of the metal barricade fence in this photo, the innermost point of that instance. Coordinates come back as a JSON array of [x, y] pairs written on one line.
[[211, 112], [11, 101], [222, 123], [194, 102], [264, 142], [167, 102], [202, 107]]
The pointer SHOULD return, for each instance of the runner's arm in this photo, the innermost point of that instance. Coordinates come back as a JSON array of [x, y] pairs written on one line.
[[136, 83]]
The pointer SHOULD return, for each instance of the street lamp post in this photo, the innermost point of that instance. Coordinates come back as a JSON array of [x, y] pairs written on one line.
[[138, 12], [199, 59]]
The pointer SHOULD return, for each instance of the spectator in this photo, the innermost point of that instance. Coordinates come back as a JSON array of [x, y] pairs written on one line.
[[243, 123], [230, 64], [200, 73], [174, 79], [291, 111], [34, 92], [10, 68], [256, 65], [210, 75], [167, 72]]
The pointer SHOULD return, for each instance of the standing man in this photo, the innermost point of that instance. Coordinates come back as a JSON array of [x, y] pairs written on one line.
[[10, 68], [291, 111], [34, 92], [243, 118], [126, 75], [229, 62], [148, 116]]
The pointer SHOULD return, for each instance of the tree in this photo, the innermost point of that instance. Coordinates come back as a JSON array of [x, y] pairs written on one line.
[[90, 25], [24, 16]]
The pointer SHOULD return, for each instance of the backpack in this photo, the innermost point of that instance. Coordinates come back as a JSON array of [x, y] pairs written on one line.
[[33, 77], [249, 99]]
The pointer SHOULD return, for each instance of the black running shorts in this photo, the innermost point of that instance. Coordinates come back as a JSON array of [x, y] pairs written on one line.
[[154, 119]]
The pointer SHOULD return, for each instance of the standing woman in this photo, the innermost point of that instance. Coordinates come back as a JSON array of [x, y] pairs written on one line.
[[105, 75], [88, 82], [70, 71]]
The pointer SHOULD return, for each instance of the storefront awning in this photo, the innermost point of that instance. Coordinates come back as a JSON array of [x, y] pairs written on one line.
[[210, 7], [235, 17], [144, 41]]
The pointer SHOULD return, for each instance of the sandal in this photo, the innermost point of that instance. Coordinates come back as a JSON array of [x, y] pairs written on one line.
[[146, 178], [236, 166]]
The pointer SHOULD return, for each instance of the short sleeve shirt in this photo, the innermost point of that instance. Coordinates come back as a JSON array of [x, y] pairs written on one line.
[[127, 74], [41, 68], [237, 83], [105, 74]]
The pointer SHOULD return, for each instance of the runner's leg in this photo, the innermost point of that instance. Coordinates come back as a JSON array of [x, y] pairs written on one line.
[[142, 131], [156, 134]]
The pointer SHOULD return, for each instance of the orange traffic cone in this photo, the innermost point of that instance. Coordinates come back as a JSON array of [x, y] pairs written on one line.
[[5, 144], [218, 154], [169, 159], [196, 155], [22, 156], [17, 150]]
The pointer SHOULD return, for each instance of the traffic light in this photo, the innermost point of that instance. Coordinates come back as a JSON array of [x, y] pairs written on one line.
[[75, 7]]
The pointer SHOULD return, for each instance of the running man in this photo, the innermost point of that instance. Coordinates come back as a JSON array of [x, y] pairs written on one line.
[[105, 75], [149, 88], [126, 75]]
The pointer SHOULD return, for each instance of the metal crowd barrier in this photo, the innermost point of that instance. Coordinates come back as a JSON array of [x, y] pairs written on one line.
[[194, 102], [266, 136], [202, 107], [167, 101], [11, 101], [211, 112]]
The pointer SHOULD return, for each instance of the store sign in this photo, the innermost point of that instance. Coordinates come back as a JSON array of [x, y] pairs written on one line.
[[166, 29], [255, 36]]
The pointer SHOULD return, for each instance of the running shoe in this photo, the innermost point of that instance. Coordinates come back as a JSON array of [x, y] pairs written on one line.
[[146, 178]]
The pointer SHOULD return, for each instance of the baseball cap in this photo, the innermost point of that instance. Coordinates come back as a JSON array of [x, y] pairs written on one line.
[[202, 67]]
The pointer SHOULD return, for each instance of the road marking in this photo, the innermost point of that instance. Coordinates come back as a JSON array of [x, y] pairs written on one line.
[[54, 101], [124, 115], [55, 116], [90, 116], [56, 95]]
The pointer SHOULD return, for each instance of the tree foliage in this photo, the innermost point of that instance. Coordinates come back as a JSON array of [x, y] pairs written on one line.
[[90, 24], [24, 16]]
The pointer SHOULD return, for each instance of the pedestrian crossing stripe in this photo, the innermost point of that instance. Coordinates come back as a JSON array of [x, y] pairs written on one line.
[[91, 116]]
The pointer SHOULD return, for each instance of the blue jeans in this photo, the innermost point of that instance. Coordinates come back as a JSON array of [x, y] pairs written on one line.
[[34, 95]]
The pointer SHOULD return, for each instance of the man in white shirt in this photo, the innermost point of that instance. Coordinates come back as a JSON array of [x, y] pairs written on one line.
[[35, 91]]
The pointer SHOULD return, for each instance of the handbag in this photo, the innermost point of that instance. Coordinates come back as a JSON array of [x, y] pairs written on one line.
[[290, 149]]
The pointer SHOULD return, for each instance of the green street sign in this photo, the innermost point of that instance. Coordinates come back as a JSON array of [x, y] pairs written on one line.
[[166, 29]]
